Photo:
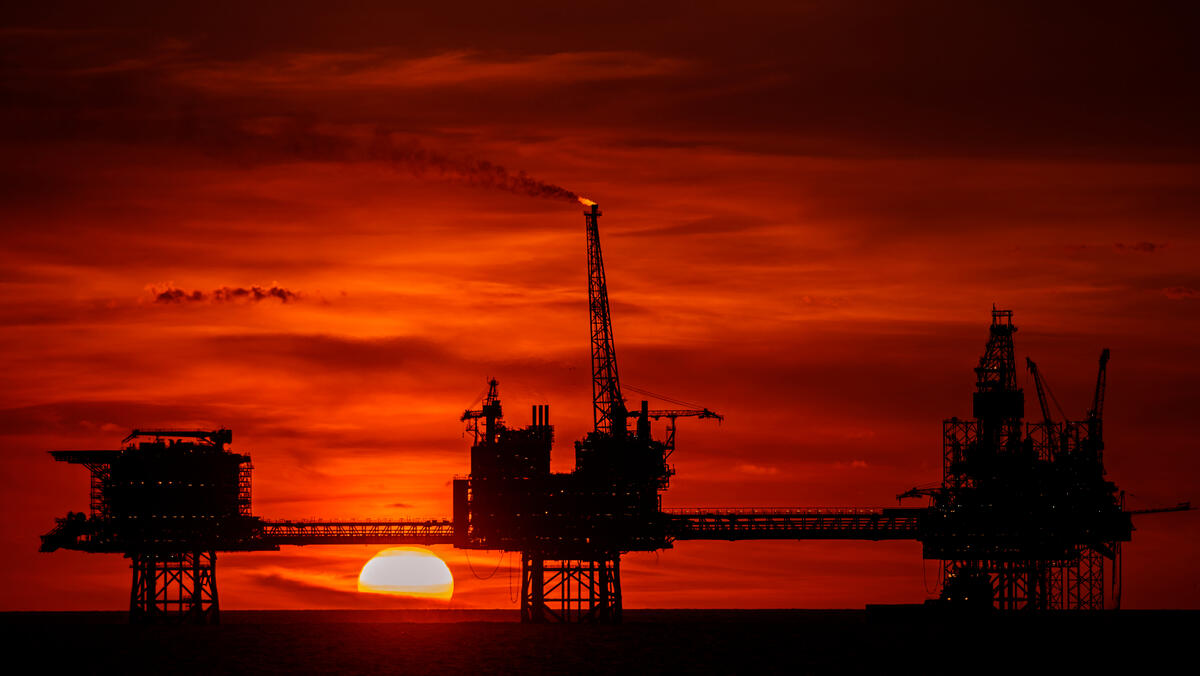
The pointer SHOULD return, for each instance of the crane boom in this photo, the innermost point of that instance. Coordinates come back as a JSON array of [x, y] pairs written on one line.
[[672, 414], [1097, 411], [1179, 507], [1095, 416], [608, 406], [684, 413], [1041, 392]]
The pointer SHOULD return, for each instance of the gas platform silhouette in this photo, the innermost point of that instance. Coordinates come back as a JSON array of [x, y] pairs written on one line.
[[1024, 518]]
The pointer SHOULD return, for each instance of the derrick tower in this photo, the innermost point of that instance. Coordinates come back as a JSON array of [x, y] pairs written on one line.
[[1024, 518]]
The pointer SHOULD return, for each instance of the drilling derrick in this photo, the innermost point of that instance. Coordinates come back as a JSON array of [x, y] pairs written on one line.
[[998, 403], [1024, 519]]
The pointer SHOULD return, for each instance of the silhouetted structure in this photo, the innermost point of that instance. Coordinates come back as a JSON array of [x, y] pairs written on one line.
[[570, 528], [1024, 518], [169, 501]]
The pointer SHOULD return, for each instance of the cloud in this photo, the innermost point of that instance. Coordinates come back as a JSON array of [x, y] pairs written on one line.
[[1181, 292], [372, 70], [339, 354], [320, 591], [758, 470], [106, 421], [1140, 247], [821, 301], [226, 294]]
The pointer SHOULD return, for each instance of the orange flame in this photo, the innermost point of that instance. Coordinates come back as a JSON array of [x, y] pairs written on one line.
[[585, 201]]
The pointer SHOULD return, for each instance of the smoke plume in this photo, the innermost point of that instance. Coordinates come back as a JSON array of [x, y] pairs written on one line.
[[428, 164], [300, 138], [226, 294]]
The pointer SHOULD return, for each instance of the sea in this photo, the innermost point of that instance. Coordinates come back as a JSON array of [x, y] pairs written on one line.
[[880, 641]]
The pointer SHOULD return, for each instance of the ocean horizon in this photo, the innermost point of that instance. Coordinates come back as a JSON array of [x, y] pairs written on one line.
[[897, 638]]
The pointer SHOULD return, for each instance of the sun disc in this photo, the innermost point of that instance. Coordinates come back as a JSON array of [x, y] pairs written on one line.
[[407, 571]]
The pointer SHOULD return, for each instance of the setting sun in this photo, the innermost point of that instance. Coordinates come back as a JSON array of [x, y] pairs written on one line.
[[407, 571]]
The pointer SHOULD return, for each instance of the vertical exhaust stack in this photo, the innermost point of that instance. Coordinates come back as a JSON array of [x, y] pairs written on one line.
[[541, 418]]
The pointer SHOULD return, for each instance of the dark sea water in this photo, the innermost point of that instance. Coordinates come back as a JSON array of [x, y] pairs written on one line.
[[892, 641]]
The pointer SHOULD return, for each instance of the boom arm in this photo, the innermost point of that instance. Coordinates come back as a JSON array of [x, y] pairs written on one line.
[[608, 406], [1097, 411], [672, 414], [1095, 417], [1041, 392]]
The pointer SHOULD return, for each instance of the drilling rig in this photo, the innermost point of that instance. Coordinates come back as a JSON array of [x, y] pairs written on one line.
[[1024, 518], [571, 528]]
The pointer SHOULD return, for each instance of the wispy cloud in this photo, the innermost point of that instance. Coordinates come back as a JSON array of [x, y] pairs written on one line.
[[1140, 247], [325, 71], [170, 294], [758, 470], [1181, 292]]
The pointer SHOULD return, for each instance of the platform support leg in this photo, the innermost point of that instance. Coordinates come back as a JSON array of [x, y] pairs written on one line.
[[571, 590], [174, 588]]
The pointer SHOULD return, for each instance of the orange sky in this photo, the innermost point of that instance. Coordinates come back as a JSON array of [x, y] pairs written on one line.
[[809, 210]]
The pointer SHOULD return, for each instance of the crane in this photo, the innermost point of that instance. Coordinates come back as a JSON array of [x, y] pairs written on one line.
[[1041, 392], [1095, 415], [608, 407], [490, 412], [1052, 431], [672, 414], [687, 410]]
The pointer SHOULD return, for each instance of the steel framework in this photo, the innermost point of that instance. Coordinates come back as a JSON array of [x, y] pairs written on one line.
[[1021, 521], [1028, 515], [570, 590], [607, 405], [174, 588], [277, 533], [795, 524]]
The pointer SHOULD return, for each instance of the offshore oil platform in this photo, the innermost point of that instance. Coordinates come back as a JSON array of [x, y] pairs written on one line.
[[1023, 520]]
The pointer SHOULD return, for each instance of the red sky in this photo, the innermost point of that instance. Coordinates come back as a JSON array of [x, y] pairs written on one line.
[[809, 210]]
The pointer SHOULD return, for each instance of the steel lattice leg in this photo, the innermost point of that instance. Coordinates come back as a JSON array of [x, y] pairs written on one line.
[[570, 590], [175, 587]]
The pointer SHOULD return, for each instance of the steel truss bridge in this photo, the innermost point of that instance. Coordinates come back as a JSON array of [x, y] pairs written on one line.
[[685, 524], [794, 524], [174, 583], [278, 533]]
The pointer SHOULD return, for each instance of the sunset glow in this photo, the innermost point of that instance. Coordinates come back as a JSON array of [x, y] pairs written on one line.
[[328, 235], [407, 571]]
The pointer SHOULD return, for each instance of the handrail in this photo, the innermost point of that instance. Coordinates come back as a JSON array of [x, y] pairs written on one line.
[[774, 511]]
